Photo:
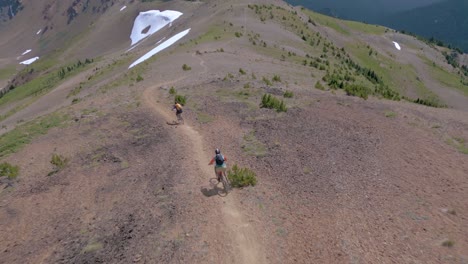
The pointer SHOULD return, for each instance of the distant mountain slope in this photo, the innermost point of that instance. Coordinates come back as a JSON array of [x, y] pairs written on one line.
[[9, 8], [447, 21], [362, 10]]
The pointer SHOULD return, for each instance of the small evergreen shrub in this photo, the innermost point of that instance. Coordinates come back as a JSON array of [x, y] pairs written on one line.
[[241, 177], [8, 170], [139, 78], [448, 243], [276, 78], [172, 91], [185, 67], [181, 99], [319, 86], [59, 163], [241, 71], [271, 102], [357, 90], [429, 102], [288, 94]]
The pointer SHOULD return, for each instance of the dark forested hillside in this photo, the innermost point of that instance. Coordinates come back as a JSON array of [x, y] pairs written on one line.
[[9, 8], [446, 20], [363, 10]]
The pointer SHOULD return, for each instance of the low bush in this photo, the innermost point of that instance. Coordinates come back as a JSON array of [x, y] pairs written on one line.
[[181, 99], [172, 91], [241, 71], [185, 67], [59, 163], [241, 177], [8, 170], [319, 86], [429, 102], [357, 90], [271, 102], [276, 78], [288, 94], [266, 81], [139, 78], [448, 243]]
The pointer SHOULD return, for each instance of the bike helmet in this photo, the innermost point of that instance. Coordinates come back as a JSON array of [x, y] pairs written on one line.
[[217, 151]]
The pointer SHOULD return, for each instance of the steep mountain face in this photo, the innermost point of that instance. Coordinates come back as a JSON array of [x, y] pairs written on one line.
[[442, 19]]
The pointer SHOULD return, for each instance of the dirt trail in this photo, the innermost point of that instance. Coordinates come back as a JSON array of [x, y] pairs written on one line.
[[242, 233]]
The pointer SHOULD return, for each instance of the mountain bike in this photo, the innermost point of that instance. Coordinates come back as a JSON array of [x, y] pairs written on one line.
[[222, 177], [180, 119]]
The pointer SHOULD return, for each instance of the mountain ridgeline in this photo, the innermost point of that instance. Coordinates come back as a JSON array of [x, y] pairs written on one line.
[[445, 20]]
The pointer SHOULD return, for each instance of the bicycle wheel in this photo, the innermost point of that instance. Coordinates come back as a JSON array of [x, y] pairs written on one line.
[[180, 119], [225, 182]]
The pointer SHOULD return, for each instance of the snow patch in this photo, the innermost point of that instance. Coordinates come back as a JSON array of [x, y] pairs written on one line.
[[161, 47], [39, 32], [121, 9], [155, 20], [397, 46], [27, 62], [26, 52]]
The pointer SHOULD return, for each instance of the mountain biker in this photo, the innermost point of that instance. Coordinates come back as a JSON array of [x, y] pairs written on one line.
[[178, 108], [220, 163]]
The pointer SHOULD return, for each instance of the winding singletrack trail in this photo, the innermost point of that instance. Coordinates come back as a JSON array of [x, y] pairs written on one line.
[[240, 233]]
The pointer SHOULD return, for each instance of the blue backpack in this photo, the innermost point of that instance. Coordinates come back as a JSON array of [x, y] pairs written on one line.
[[219, 159]]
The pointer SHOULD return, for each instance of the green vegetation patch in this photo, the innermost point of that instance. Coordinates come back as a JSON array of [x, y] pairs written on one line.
[[357, 90], [448, 243], [40, 85], [365, 28], [458, 143], [181, 99], [288, 94], [444, 77], [271, 102], [185, 67], [8, 170], [59, 162], [14, 140], [390, 114], [241, 177]]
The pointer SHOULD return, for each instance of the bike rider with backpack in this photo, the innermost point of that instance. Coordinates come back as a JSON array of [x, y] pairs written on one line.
[[178, 108], [220, 165]]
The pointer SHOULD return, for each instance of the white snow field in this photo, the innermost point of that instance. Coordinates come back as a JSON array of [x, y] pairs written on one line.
[[397, 46], [26, 52], [27, 62], [161, 47], [155, 20], [121, 9]]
